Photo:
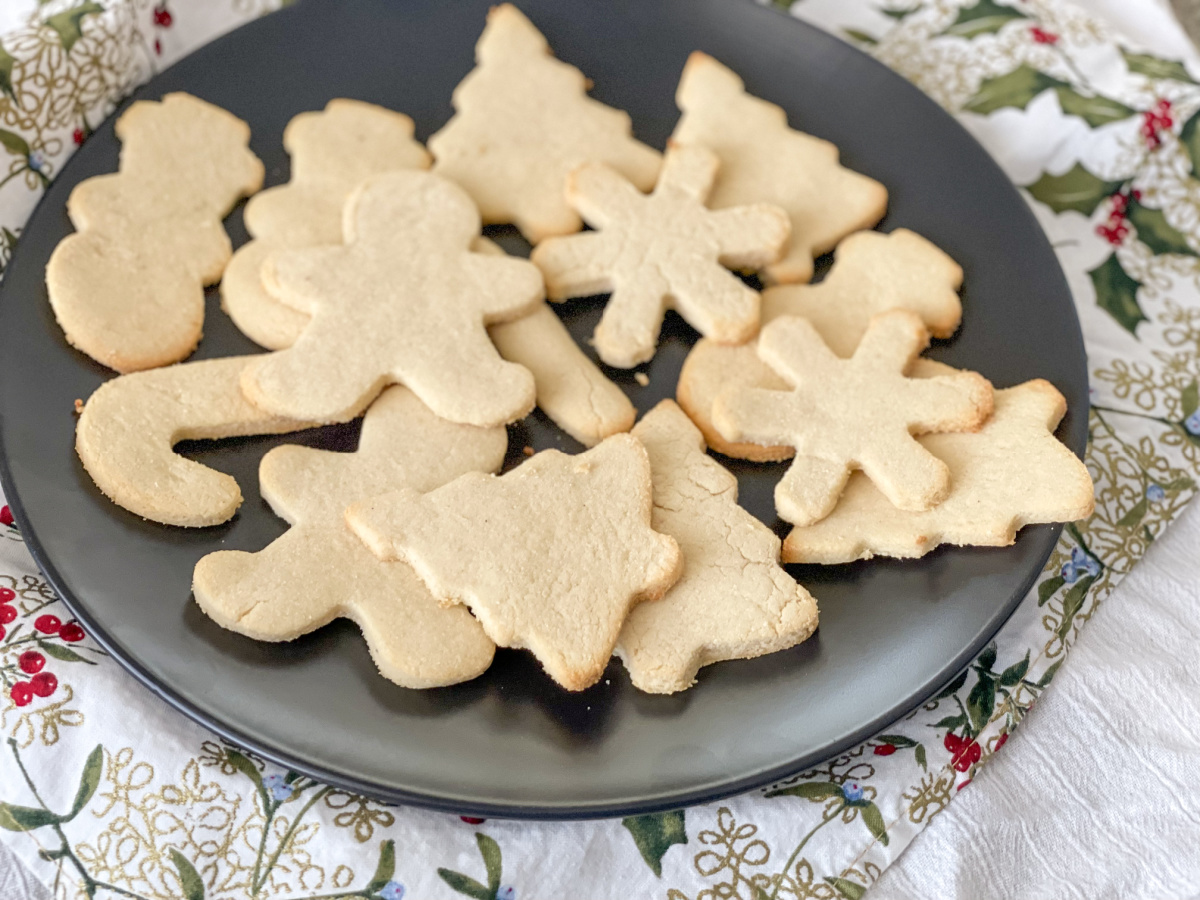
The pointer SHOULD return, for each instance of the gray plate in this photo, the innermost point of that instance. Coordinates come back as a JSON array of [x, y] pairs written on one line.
[[511, 743]]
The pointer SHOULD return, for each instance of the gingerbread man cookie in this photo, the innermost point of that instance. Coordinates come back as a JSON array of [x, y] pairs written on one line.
[[1011, 473], [128, 286], [319, 570], [734, 600], [403, 301], [332, 152], [523, 122], [857, 413], [550, 556], [765, 161], [662, 251]]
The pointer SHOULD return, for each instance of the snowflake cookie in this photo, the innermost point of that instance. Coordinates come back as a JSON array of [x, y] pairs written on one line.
[[857, 413], [661, 251], [1011, 473]]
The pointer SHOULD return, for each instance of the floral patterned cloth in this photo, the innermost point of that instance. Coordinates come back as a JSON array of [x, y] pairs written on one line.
[[109, 793]]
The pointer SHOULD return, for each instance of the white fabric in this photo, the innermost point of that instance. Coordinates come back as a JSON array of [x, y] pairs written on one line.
[[1099, 798]]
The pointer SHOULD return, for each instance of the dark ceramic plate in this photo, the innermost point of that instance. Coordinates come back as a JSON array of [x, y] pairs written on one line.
[[511, 743]]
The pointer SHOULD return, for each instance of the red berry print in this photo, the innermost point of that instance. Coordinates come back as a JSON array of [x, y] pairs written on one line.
[[21, 693], [6, 516], [953, 743], [7, 595], [162, 16], [48, 624], [31, 662], [1116, 229], [71, 633], [885, 749], [157, 47], [77, 136], [1043, 37], [7, 614], [473, 820], [3, 632], [1000, 743], [963, 785], [1155, 122], [43, 684], [967, 755]]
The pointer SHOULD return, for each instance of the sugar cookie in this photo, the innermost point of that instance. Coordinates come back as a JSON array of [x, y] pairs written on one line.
[[128, 426], [127, 287], [571, 389], [550, 556], [734, 600], [871, 273], [659, 252], [1011, 473], [332, 151], [844, 414], [403, 301], [523, 122], [319, 570], [764, 161]]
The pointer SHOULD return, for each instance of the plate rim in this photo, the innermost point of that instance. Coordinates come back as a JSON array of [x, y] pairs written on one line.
[[1075, 438]]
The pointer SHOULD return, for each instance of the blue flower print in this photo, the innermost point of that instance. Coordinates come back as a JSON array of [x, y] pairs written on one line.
[[393, 890], [506, 892], [1192, 424], [36, 161], [853, 792], [1069, 573], [1081, 561], [1155, 493], [278, 788]]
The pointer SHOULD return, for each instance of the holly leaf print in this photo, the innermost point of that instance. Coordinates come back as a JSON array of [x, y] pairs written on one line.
[[6, 67], [1154, 231], [985, 17], [1189, 136], [954, 686], [68, 24], [1095, 111], [1116, 294], [901, 14], [919, 755], [846, 888], [1049, 674], [896, 740], [1135, 515], [873, 819], [987, 658], [243, 764], [464, 884], [189, 878], [490, 851], [88, 782], [861, 36], [1013, 90], [61, 653], [24, 818], [1189, 399], [1076, 189], [1072, 603], [384, 869], [813, 790], [1049, 588], [1015, 672], [1154, 67], [655, 834], [14, 143], [981, 701]]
